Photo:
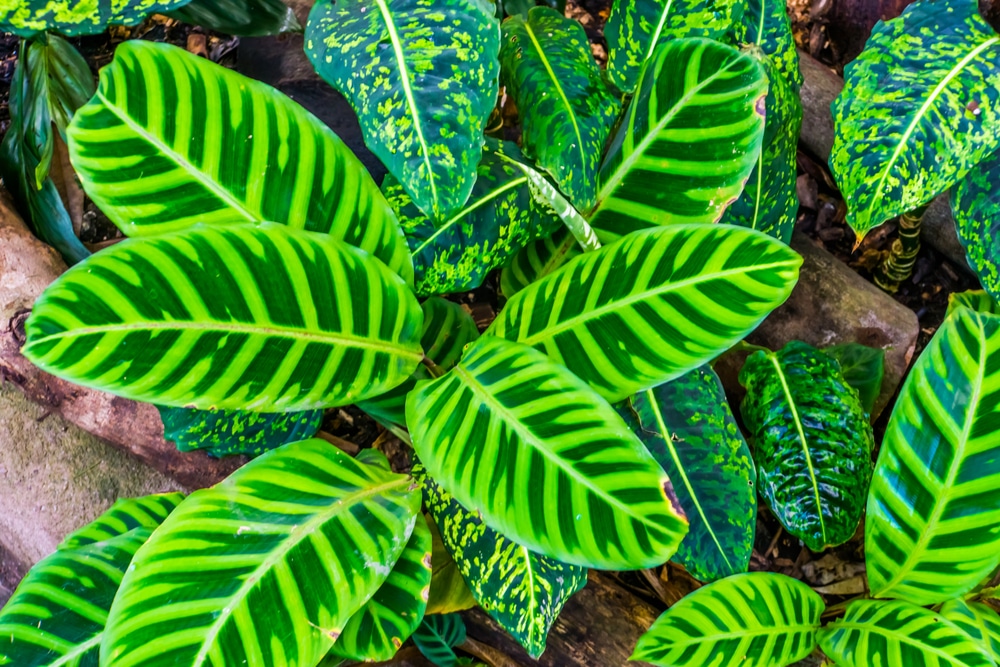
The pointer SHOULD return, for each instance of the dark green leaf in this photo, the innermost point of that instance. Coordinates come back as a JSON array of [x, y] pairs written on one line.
[[765, 24], [76, 17], [537, 260], [125, 515], [227, 432], [863, 368], [246, 18], [438, 635], [975, 204]]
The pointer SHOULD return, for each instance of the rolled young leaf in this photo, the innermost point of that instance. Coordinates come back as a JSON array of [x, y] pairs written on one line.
[[126, 515], [977, 620], [538, 260], [227, 432], [229, 317], [508, 433]]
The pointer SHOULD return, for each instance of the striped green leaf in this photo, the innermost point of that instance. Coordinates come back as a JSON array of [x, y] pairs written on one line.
[[228, 432], [977, 620], [652, 306], [919, 109], [377, 630], [975, 204], [246, 18], [537, 260], [523, 591], [932, 530], [566, 109], [549, 439], [760, 619], [499, 219], [976, 300], [438, 635], [126, 515], [448, 592], [423, 79], [76, 17], [229, 317], [812, 442], [879, 632], [636, 27], [687, 426], [158, 150], [247, 571], [863, 369], [57, 615], [688, 142], [447, 329]]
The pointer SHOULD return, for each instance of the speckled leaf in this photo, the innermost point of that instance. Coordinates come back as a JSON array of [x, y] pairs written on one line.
[[975, 300], [566, 109], [423, 79], [523, 591], [765, 23], [863, 368], [76, 17], [975, 204], [537, 260], [812, 442], [636, 27], [499, 219], [438, 635], [920, 107], [977, 620], [227, 432], [687, 426], [688, 142], [449, 592], [126, 514]]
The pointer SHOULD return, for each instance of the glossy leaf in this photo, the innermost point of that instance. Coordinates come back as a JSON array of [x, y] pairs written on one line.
[[687, 426], [874, 630], [919, 109], [975, 204], [438, 635], [975, 300], [566, 109], [765, 24], [228, 432], [499, 219], [863, 368], [545, 435], [422, 77], [760, 619], [689, 140], [230, 317], [977, 620], [636, 27], [537, 260], [277, 163], [126, 515], [522, 590], [246, 569], [624, 327], [76, 17], [246, 18], [812, 442], [378, 629], [448, 592], [936, 488]]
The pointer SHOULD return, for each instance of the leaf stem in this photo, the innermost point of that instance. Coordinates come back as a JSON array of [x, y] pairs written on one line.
[[898, 264], [432, 368]]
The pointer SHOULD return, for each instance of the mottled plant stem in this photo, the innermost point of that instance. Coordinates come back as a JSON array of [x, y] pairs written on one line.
[[898, 264]]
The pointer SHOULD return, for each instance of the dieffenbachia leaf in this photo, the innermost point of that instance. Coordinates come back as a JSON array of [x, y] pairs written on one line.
[[566, 109], [523, 591], [537, 260], [977, 620], [873, 630], [77, 17], [863, 368], [975, 300], [812, 442], [759, 619], [689, 141], [172, 139], [448, 592], [249, 571], [919, 109], [228, 432], [438, 635], [636, 27], [127, 514], [975, 204], [229, 317], [765, 24], [625, 328], [936, 488], [423, 79], [245, 18], [509, 433], [500, 218], [687, 426]]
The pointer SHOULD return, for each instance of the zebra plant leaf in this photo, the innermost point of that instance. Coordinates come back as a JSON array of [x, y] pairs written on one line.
[[423, 79], [650, 175], [229, 317], [249, 571], [378, 629], [975, 204], [919, 109], [759, 619], [624, 327], [522, 590], [77, 17], [976, 300], [438, 635], [977, 620], [228, 432], [936, 488], [636, 27], [873, 630], [280, 164], [863, 368], [687, 426], [126, 515], [812, 442], [537, 260], [566, 109], [548, 438]]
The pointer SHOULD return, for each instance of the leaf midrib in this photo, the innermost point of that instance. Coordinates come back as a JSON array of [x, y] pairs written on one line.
[[763, 632], [899, 636]]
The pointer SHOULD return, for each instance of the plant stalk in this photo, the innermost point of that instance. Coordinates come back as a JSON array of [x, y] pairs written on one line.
[[898, 264]]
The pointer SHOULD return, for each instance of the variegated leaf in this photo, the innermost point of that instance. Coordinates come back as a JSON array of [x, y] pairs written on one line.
[[975, 204], [76, 17], [228, 432], [449, 592]]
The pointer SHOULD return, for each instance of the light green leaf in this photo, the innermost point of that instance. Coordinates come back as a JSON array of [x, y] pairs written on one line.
[[126, 515], [624, 327], [247, 571], [229, 317], [977, 620], [863, 368], [689, 141], [449, 592], [537, 260], [158, 150], [975, 300], [509, 433], [76, 17], [918, 110], [566, 109], [975, 204], [936, 488], [422, 77], [246, 18], [759, 619], [438, 635], [227, 432]]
